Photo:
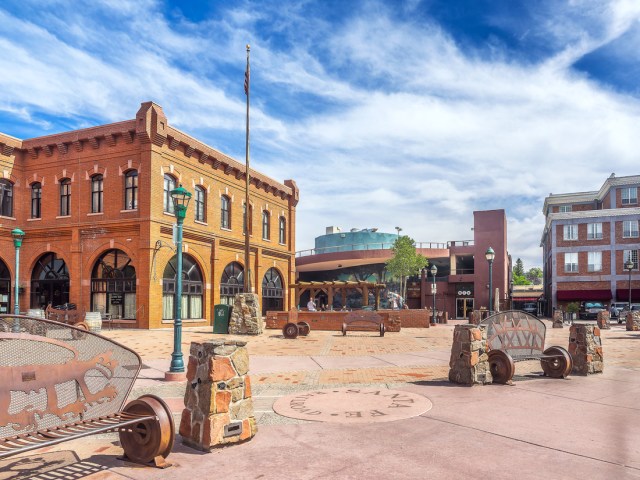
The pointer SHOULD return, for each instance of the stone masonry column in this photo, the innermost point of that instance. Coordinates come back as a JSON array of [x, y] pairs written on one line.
[[585, 347], [603, 320], [633, 321], [558, 319], [246, 317], [218, 405], [469, 363]]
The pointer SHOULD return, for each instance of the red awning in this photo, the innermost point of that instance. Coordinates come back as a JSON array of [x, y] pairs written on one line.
[[623, 294], [580, 295]]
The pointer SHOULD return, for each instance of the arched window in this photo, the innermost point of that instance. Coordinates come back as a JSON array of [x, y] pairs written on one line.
[[265, 225], [282, 231], [200, 204], [231, 283], [131, 190], [65, 197], [244, 219], [96, 193], [192, 289], [225, 212], [6, 198], [272, 291], [113, 285], [49, 281], [36, 200], [167, 202]]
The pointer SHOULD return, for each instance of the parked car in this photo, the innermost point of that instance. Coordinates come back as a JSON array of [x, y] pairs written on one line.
[[590, 310], [530, 307], [622, 315], [616, 308]]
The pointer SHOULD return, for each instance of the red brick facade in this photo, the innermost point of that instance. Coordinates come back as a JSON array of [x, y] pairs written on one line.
[[150, 146]]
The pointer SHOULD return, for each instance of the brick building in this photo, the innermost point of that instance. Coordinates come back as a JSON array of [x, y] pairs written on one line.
[[587, 239], [98, 219], [462, 279]]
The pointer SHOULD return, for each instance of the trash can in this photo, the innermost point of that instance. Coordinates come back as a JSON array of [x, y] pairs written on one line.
[[221, 314]]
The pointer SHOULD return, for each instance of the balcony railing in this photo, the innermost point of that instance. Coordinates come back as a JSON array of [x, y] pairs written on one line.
[[367, 246]]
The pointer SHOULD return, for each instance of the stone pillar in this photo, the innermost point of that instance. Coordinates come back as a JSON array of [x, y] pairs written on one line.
[[585, 347], [558, 319], [246, 317], [218, 406], [633, 321], [469, 363], [603, 320], [474, 317]]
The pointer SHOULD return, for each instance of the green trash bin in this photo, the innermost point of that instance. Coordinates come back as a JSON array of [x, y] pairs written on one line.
[[221, 316]]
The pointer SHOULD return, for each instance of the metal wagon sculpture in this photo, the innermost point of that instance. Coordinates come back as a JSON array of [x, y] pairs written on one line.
[[59, 382]]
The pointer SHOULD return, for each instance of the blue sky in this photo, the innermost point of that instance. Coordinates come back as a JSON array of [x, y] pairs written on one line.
[[386, 113]]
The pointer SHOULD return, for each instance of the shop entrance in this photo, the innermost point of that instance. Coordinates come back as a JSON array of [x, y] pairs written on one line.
[[463, 307]]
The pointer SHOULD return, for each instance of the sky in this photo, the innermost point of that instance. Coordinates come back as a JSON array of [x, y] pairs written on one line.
[[389, 113]]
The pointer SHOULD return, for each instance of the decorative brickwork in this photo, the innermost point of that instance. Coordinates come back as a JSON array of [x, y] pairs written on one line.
[[218, 404], [585, 347], [245, 316], [558, 319], [633, 321], [469, 363], [603, 320]]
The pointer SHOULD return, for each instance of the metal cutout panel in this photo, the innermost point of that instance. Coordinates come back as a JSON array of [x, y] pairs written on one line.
[[515, 332]]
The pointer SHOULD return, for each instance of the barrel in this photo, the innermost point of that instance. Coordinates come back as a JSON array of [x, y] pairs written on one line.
[[35, 312], [93, 321]]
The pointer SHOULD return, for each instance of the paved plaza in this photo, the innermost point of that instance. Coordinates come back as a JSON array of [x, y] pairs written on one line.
[[580, 427]]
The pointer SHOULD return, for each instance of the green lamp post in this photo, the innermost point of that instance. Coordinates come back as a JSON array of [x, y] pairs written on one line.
[[17, 235], [490, 255], [180, 197], [434, 271]]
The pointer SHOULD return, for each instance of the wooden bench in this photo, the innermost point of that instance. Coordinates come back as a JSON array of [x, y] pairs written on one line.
[[363, 321], [71, 317], [65, 383], [514, 336]]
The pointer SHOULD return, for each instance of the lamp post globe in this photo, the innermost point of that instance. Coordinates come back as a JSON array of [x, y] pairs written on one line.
[[180, 197], [629, 266], [490, 255], [434, 271]]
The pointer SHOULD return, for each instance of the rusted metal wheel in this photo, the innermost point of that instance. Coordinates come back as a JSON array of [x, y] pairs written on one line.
[[145, 441], [79, 335], [560, 365], [304, 328], [382, 329], [290, 330], [344, 329], [501, 366]]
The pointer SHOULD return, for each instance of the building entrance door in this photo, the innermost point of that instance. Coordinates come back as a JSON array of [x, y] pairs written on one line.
[[463, 307]]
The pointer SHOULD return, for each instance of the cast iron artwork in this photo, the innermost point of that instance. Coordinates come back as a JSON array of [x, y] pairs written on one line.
[[362, 322], [60, 382], [514, 336]]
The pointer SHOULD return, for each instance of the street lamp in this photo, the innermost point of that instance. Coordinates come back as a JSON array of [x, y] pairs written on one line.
[[398, 229], [180, 197], [17, 235], [490, 255], [434, 270], [629, 266]]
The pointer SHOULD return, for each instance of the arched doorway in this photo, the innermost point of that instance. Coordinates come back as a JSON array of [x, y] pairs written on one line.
[[272, 291], [5, 288], [113, 285], [49, 281], [192, 289], [232, 283]]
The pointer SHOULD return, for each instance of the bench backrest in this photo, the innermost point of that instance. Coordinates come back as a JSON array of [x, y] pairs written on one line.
[[515, 332], [53, 374], [64, 316], [363, 316]]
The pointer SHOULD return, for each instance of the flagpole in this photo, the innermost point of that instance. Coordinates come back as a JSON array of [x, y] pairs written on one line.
[[247, 220]]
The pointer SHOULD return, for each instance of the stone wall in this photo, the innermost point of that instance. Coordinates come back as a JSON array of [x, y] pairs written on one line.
[[218, 404], [469, 363], [585, 347], [633, 321], [558, 319], [603, 320], [246, 318]]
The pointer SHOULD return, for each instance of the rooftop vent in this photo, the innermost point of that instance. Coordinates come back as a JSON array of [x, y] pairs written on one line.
[[331, 230]]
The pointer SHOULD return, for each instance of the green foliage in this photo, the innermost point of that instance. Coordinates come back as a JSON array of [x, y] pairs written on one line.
[[405, 261], [534, 275], [518, 270], [520, 280], [573, 307]]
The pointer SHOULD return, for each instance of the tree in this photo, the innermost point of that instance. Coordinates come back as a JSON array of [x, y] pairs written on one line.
[[534, 275], [519, 268], [405, 261]]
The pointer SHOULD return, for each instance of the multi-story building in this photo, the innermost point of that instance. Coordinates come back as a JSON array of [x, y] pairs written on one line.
[[588, 237], [462, 279], [95, 207]]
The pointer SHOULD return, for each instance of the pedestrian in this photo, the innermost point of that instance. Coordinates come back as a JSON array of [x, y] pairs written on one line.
[[311, 305]]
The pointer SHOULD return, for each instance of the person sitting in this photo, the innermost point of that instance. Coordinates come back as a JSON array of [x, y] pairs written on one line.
[[311, 305]]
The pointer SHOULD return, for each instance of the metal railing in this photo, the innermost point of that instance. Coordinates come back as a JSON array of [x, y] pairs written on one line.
[[371, 246]]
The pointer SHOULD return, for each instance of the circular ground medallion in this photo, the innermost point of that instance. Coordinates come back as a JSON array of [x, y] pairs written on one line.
[[352, 405]]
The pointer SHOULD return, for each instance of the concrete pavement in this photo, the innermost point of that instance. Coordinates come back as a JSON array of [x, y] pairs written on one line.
[[580, 427]]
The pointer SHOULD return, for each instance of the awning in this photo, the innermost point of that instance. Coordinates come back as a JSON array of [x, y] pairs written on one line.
[[580, 295], [623, 295], [525, 299]]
